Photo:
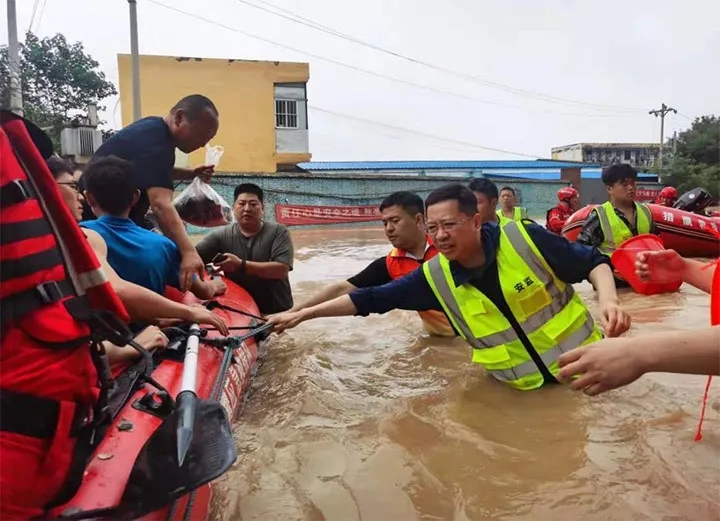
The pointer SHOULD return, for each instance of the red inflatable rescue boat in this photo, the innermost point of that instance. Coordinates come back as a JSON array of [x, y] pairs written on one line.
[[125, 464], [689, 234]]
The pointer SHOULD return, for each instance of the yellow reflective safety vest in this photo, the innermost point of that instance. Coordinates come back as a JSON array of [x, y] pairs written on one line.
[[519, 213], [615, 231], [550, 313]]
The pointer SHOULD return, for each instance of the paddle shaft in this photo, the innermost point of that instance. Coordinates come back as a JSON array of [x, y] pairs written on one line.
[[187, 398]]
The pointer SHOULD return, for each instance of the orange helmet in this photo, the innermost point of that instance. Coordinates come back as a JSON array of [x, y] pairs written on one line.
[[568, 193], [668, 193]]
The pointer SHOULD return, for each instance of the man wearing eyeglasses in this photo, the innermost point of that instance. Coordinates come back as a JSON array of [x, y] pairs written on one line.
[[254, 254], [506, 290]]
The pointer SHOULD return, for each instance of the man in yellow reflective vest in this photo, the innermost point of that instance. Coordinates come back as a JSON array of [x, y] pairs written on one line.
[[508, 200], [619, 219], [507, 290], [486, 194]]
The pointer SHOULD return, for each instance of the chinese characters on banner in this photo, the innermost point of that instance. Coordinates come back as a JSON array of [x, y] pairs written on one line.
[[294, 214], [643, 194]]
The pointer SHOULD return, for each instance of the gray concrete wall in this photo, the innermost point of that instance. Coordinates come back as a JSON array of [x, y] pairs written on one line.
[[337, 190]]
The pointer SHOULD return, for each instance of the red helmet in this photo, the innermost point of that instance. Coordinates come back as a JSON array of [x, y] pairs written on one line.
[[567, 193], [668, 193]]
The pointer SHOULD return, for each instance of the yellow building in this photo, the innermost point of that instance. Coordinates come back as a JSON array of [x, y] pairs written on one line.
[[262, 105]]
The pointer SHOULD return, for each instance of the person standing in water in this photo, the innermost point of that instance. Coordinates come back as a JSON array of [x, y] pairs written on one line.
[[486, 194], [403, 219], [621, 218], [569, 202], [507, 290], [508, 208]]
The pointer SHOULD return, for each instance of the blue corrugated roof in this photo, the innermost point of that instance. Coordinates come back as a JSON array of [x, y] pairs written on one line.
[[438, 165], [554, 176]]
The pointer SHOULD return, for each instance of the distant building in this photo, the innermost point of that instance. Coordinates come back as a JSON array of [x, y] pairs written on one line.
[[537, 170], [262, 105], [639, 155]]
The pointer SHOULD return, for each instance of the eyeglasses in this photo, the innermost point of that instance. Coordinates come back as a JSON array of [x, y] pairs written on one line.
[[72, 184], [448, 226]]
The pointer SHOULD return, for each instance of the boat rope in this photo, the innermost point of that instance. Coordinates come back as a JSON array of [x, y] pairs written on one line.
[[214, 304]]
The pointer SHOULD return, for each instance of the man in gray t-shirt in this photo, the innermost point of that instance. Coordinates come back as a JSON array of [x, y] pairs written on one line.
[[257, 256]]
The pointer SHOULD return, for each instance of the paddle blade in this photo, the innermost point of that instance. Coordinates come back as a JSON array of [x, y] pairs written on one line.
[[156, 480]]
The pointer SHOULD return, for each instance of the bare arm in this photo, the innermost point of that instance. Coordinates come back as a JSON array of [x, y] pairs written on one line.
[[143, 304], [338, 307], [615, 362], [689, 352], [267, 270], [699, 274], [328, 293], [162, 205], [602, 278], [183, 174], [161, 202]]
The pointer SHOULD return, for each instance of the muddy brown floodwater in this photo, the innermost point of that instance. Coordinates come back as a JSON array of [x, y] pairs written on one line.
[[370, 419]]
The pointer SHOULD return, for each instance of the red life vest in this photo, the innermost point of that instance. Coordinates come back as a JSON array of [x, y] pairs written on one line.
[[399, 263], [54, 297]]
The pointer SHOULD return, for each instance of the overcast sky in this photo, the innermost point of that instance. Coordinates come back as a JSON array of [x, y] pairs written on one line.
[[564, 71]]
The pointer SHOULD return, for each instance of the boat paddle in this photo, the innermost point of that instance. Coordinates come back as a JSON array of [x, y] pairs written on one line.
[[187, 398]]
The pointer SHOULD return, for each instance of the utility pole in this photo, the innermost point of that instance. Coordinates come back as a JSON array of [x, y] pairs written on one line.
[[662, 112], [16, 102], [135, 60]]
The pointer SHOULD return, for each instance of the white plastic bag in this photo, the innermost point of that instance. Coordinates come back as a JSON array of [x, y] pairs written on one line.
[[199, 204], [213, 155]]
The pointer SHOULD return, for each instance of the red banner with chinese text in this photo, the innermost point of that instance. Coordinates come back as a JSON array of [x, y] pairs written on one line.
[[295, 214], [643, 194]]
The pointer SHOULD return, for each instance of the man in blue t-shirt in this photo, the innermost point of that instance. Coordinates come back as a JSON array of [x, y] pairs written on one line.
[[149, 144], [138, 255]]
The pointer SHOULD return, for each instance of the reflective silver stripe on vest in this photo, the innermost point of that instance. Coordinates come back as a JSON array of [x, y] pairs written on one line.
[[648, 215], [606, 228], [92, 279], [559, 299], [549, 356]]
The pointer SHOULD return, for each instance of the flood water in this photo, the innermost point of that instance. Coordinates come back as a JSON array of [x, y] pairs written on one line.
[[370, 419]]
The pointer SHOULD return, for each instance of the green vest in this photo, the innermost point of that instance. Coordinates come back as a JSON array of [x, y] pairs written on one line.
[[615, 231], [519, 213], [551, 314]]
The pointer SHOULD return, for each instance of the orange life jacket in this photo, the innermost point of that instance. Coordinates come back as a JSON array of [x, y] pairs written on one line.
[[56, 307], [400, 263]]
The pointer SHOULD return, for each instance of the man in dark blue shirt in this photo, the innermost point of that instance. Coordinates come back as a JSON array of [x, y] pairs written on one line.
[[473, 249], [137, 255], [149, 144]]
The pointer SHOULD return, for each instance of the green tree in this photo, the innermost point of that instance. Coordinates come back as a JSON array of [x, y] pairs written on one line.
[[696, 161], [59, 80]]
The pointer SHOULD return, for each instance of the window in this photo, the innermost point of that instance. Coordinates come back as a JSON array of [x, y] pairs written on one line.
[[286, 113], [627, 155]]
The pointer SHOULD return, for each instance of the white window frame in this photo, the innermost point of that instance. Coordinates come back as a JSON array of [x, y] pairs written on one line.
[[284, 117]]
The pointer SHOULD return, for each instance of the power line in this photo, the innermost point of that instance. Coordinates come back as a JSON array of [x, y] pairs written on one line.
[[295, 18], [366, 71], [419, 133]]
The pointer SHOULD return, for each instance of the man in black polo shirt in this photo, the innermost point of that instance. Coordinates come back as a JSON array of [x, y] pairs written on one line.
[[149, 144]]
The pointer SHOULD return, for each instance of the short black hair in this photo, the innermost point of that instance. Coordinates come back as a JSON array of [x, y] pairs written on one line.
[[109, 179], [248, 188], [454, 192], [619, 172], [485, 187], [408, 201], [194, 106], [58, 166], [509, 189]]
